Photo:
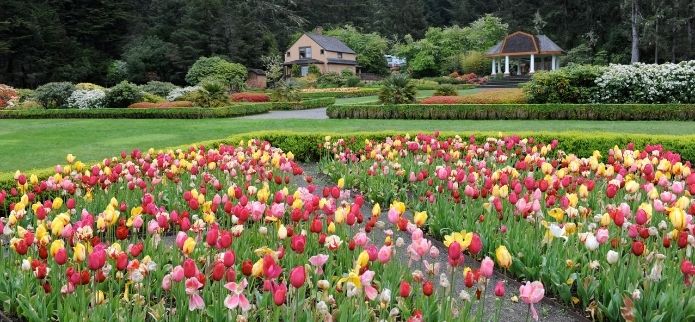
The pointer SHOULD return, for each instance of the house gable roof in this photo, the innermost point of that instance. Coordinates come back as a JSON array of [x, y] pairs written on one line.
[[330, 43], [521, 43]]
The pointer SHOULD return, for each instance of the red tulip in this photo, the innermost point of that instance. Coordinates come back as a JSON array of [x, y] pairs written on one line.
[[122, 261], [297, 276], [476, 245], [427, 288], [136, 249], [218, 271], [225, 239], [455, 256], [189, 268], [122, 232], [279, 295], [316, 226], [611, 191], [228, 258], [637, 248], [61, 256], [499, 289], [298, 243], [96, 259], [246, 267], [404, 289]]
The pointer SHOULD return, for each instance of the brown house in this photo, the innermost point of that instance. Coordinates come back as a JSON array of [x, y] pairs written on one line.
[[256, 78], [329, 54]]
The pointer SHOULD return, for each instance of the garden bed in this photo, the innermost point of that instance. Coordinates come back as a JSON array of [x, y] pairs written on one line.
[[339, 92], [139, 113], [605, 112]]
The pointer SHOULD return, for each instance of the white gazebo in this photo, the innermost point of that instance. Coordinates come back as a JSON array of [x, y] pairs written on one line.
[[528, 52]]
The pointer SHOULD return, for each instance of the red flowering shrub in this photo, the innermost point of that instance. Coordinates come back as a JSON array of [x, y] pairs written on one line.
[[250, 97], [175, 104], [8, 96]]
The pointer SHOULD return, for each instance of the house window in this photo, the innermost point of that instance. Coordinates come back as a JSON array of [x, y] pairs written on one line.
[[340, 55], [322, 52], [288, 54], [304, 52]]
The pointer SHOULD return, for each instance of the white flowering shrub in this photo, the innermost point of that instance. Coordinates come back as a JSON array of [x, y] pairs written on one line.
[[85, 99], [177, 93], [647, 83]]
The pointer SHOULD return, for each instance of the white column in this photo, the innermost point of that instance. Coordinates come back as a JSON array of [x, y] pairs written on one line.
[[494, 67], [506, 65], [554, 62], [533, 65], [499, 66], [518, 67]]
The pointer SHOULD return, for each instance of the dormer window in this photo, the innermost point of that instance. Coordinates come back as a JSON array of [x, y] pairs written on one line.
[[305, 52]]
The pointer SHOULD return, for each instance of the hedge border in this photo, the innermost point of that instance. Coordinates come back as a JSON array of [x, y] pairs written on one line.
[[604, 112], [368, 91], [241, 109]]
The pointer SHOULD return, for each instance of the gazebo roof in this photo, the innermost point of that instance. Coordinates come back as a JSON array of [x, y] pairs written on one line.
[[523, 44]]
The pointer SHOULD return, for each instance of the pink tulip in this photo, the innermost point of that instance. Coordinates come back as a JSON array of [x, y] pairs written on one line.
[[361, 239], [366, 280], [486, 267], [237, 297], [180, 239], [532, 293], [195, 301], [602, 235], [166, 282], [177, 273], [318, 261], [297, 276], [384, 254], [499, 289]]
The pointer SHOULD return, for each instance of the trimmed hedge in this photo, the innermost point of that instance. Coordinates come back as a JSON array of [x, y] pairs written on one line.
[[308, 146], [368, 91], [606, 112], [305, 104], [140, 113]]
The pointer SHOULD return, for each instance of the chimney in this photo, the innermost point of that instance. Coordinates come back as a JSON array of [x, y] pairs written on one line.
[[318, 30]]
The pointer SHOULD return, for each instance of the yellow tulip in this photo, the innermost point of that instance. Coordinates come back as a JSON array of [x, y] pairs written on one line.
[[362, 260], [188, 245], [504, 259], [677, 217], [376, 210], [57, 203], [56, 245], [79, 252], [341, 183], [557, 213], [420, 218], [331, 228], [257, 268]]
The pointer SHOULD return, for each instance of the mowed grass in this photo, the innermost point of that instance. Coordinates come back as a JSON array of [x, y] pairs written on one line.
[[32, 144]]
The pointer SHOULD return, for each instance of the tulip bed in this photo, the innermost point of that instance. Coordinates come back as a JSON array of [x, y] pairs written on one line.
[[215, 234], [611, 232]]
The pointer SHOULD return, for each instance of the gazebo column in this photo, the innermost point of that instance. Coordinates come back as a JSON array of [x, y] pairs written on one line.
[[518, 67], [499, 66], [506, 65], [533, 64], [494, 67], [554, 62]]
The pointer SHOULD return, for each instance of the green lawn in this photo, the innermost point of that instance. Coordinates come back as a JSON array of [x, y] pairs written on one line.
[[29, 144], [374, 98]]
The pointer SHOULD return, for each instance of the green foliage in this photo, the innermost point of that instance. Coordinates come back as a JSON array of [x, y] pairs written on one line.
[[231, 74], [304, 105], [273, 69], [331, 79], [446, 90], [148, 58], [370, 47], [140, 113], [296, 71], [572, 84], [603, 112], [212, 93], [362, 92], [314, 70], [397, 89], [54, 95], [440, 48], [158, 88], [152, 98], [117, 72], [122, 95], [425, 84], [352, 81], [475, 62], [285, 92]]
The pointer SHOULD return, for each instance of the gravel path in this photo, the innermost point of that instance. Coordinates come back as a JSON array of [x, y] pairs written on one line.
[[549, 309], [312, 114]]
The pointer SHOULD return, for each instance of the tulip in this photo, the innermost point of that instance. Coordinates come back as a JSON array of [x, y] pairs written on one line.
[[486, 267], [637, 247], [504, 259], [677, 217], [298, 243], [532, 293], [384, 254], [499, 289], [297, 276], [188, 246], [318, 261], [61, 256], [612, 257], [404, 289], [189, 268], [427, 288]]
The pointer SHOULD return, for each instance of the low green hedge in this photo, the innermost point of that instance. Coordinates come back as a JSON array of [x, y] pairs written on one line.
[[367, 91], [305, 104], [607, 112], [308, 146], [139, 113]]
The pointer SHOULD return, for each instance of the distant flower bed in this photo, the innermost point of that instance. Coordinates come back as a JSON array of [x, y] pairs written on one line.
[[332, 90], [501, 96], [176, 104], [250, 97]]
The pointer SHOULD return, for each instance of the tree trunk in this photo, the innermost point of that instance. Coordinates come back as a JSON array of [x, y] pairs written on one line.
[[635, 34], [673, 44], [690, 38], [656, 41]]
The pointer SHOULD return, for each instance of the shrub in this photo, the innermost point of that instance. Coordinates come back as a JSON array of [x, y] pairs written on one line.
[[231, 74], [54, 95], [305, 104], [285, 92], [308, 81], [84, 99], [28, 105], [498, 96], [8, 96], [314, 70], [122, 95], [475, 62], [342, 92], [250, 97], [446, 90], [152, 98], [177, 104], [571, 84], [296, 71], [182, 93], [647, 83], [398, 89], [117, 72], [425, 84], [352, 81], [158, 88], [331, 79], [139, 113], [88, 86], [25, 94], [212, 93]]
